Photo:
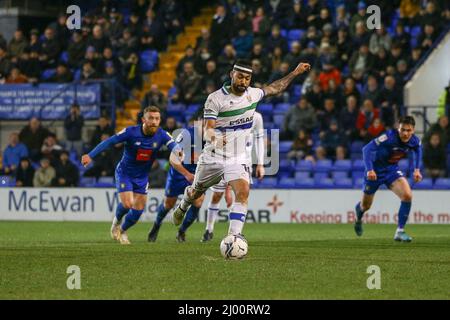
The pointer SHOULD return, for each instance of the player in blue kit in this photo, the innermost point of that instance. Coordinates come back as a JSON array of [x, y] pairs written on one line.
[[142, 142], [181, 175], [381, 157]]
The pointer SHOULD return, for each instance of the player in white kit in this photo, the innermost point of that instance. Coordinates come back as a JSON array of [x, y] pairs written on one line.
[[228, 114], [218, 190]]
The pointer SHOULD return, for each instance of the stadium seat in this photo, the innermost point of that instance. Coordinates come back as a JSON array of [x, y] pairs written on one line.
[[356, 147], [48, 73], [307, 183], [358, 165], [358, 183], [339, 174], [287, 183], [425, 184], [179, 107], [87, 182], [304, 165], [64, 57], [300, 175], [442, 184], [342, 165], [320, 175], [357, 175], [285, 146], [278, 120], [281, 108], [105, 182], [148, 60], [286, 166], [6, 181], [295, 34], [343, 183], [323, 166], [325, 183], [415, 32], [284, 33], [268, 183], [265, 109], [193, 108], [172, 91]]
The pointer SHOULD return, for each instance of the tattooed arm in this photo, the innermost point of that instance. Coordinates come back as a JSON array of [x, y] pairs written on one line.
[[280, 85]]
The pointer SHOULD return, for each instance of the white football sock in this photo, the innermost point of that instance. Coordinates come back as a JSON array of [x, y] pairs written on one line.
[[238, 214], [213, 208]]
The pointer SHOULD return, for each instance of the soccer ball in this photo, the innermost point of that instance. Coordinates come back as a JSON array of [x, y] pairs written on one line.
[[234, 247]]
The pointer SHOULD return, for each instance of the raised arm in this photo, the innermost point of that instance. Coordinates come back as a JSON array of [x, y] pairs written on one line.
[[280, 85]]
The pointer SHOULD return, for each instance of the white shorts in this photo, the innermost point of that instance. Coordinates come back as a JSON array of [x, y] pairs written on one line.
[[222, 185], [208, 175]]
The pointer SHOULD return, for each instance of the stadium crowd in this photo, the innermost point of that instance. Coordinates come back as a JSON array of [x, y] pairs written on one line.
[[353, 93]]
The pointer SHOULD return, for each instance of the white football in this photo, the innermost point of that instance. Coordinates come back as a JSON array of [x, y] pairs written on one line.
[[234, 247]]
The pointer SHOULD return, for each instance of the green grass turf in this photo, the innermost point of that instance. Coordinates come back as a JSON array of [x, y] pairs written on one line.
[[285, 261]]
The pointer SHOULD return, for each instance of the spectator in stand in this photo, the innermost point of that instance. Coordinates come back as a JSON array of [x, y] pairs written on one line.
[[259, 77], [203, 41], [341, 153], [226, 60], [153, 35], [221, 30], [132, 73], [299, 117], [409, 10], [434, 157], [188, 85], [16, 77], [391, 101], [332, 138], [276, 40], [372, 91], [98, 40], [30, 65], [376, 128], [329, 72], [50, 49], [103, 163], [51, 150], [24, 173], [430, 16], [350, 89], [171, 125], [62, 75], [380, 63], [365, 119], [44, 176], [33, 136], [76, 50], [276, 58], [241, 21], [62, 33], [243, 43], [67, 174], [319, 154], [157, 176], [155, 97], [360, 16], [13, 153], [103, 127], [316, 97], [444, 102], [348, 117], [442, 128], [126, 45], [297, 16], [380, 39], [35, 42], [342, 17], [361, 60], [88, 72], [171, 12], [17, 45], [301, 147], [73, 124], [5, 63], [401, 37], [189, 56], [427, 37], [327, 115], [281, 72], [211, 75], [261, 24], [294, 56]]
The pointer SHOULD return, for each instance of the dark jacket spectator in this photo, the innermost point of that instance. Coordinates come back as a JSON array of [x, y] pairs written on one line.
[[301, 147], [76, 50], [327, 115], [188, 84], [73, 124], [24, 173], [157, 176], [299, 117], [332, 138], [434, 157], [50, 49], [348, 117], [18, 44], [62, 75], [33, 135], [103, 163], [155, 98], [67, 174], [442, 128], [221, 30], [103, 127]]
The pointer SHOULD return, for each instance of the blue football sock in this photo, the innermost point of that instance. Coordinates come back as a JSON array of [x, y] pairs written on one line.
[[191, 216], [359, 212], [403, 213], [161, 213], [131, 219], [121, 211]]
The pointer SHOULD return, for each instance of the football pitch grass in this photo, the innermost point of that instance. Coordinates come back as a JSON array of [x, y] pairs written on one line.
[[285, 261]]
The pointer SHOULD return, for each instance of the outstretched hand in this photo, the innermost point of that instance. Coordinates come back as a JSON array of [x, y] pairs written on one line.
[[301, 68]]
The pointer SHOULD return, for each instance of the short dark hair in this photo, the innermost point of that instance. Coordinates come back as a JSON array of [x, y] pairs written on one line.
[[407, 120], [151, 109]]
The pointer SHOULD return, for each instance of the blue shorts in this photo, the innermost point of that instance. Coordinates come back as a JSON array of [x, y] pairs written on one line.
[[387, 178], [126, 183], [175, 187]]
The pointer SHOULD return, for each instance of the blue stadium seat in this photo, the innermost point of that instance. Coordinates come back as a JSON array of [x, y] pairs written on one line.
[[180, 107], [148, 60], [64, 57], [278, 120], [358, 165], [87, 182], [356, 156], [323, 166], [342, 165], [7, 181], [48, 73], [415, 32], [343, 183], [284, 33], [268, 183], [265, 109], [357, 175], [442, 184], [299, 175], [304, 165], [105, 182], [286, 166], [77, 75], [358, 183], [287, 183], [192, 108], [356, 147], [307, 183], [319, 176], [425, 184], [285, 146], [295, 34], [339, 174], [281, 108], [325, 183], [171, 91]]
